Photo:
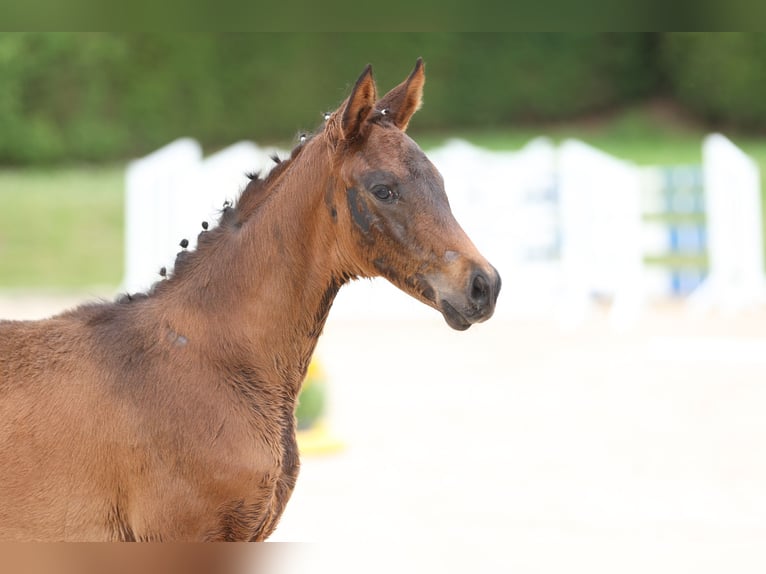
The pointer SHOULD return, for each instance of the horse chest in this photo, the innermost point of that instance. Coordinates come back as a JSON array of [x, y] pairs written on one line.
[[255, 497], [233, 489]]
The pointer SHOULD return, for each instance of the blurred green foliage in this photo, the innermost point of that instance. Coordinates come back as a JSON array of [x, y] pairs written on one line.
[[721, 77], [105, 96], [95, 97]]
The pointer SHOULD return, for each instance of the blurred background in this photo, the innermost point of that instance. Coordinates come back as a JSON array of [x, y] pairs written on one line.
[[562, 433], [74, 108]]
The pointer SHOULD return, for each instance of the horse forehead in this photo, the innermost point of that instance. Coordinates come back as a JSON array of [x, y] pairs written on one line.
[[396, 152]]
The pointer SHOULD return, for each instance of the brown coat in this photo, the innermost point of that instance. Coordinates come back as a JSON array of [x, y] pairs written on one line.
[[169, 415]]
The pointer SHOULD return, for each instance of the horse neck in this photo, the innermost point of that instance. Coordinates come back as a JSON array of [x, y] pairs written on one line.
[[262, 295]]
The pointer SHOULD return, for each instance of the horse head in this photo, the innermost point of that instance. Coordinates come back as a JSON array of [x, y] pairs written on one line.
[[393, 216]]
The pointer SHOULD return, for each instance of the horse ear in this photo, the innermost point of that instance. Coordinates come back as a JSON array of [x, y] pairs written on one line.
[[406, 98], [358, 105]]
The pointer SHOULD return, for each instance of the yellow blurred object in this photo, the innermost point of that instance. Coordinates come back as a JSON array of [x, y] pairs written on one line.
[[314, 437], [318, 440], [311, 401], [314, 373]]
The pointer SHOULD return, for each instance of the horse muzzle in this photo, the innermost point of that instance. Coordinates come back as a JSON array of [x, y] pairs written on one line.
[[475, 302]]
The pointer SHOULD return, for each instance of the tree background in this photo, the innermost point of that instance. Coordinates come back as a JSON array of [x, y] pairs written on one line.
[[110, 96]]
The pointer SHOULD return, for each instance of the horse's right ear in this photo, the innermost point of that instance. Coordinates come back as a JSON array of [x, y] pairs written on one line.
[[405, 99], [358, 105]]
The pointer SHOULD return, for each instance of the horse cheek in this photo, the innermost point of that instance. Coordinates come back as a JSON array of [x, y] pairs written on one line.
[[360, 213]]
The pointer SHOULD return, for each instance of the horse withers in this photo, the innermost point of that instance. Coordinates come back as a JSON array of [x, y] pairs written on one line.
[[169, 415]]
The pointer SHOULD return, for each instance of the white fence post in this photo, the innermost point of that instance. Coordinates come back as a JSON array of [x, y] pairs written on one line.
[[601, 233], [219, 178], [735, 228], [149, 182], [168, 195]]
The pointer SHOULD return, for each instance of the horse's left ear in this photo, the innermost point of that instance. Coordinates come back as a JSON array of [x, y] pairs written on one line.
[[406, 98], [358, 105]]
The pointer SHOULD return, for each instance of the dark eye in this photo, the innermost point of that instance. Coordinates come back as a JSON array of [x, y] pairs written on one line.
[[384, 193]]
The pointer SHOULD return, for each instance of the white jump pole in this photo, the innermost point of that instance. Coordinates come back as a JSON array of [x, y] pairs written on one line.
[[735, 229]]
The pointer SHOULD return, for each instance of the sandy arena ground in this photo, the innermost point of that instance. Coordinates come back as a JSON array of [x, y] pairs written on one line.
[[516, 447]]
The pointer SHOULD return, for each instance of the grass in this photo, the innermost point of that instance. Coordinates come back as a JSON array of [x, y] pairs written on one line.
[[63, 227]]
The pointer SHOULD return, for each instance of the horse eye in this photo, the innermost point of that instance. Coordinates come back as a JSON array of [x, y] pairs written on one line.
[[383, 193]]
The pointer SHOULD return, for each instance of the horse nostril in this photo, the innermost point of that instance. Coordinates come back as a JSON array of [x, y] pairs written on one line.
[[480, 289]]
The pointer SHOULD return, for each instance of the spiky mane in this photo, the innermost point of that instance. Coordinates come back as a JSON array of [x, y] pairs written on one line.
[[232, 216]]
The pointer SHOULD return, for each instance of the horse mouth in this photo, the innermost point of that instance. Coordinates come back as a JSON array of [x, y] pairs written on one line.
[[454, 318]]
